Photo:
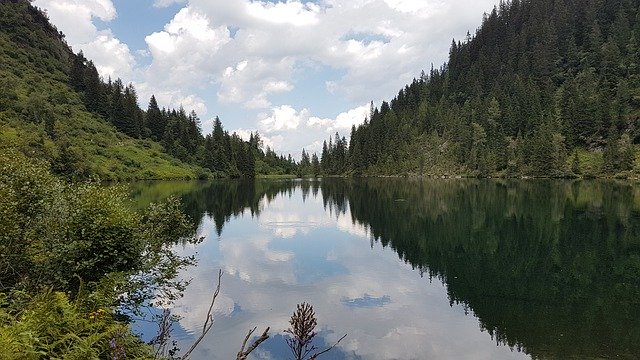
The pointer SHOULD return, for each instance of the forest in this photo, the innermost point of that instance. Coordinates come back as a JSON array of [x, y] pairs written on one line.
[[543, 88]]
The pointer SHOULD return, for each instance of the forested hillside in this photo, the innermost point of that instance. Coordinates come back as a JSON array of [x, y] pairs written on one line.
[[55, 106], [543, 88], [41, 115]]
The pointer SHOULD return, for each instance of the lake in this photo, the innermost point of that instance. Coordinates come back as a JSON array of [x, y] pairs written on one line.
[[414, 269]]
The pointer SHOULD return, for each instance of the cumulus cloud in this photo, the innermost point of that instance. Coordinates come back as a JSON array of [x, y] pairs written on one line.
[[419, 7], [283, 118], [344, 121], [111, 56], [291, 129], [75, 17], [184, 52], [250, 82], [260, 55], [172, 99]]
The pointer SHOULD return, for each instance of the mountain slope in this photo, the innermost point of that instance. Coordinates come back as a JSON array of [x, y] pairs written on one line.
[[544, 88], [41, 115]]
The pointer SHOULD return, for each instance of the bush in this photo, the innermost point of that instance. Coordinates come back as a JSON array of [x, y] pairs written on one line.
[[85, 241], [50, 326]]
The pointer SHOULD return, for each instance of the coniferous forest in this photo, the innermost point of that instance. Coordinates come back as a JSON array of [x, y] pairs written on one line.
[[543, 88]]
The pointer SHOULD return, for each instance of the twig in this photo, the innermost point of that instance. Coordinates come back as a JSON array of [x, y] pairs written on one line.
[[242, 354], [164, 333], [208, 323], [315, 356]]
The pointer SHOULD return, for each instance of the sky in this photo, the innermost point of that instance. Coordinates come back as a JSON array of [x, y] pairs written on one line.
[[297, 72]]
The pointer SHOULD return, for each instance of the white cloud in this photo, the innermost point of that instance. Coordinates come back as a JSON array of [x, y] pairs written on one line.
[[420, 7], [253, 53], [290, 130], [291, 12], [283, 118], [251, 81], [166, 3], [173, 99], [111, 56], [345, 120], [318, 122], [277, 86], [184, 53]]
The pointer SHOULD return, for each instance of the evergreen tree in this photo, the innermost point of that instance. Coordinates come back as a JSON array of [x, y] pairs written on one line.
[[315, 165], [155, 120], [76, 76]]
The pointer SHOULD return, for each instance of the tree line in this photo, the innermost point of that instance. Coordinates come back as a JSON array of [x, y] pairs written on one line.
[[224, 154]]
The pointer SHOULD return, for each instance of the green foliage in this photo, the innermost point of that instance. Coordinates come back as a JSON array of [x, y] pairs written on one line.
[[57, 234], [86, 240], [49, 326]]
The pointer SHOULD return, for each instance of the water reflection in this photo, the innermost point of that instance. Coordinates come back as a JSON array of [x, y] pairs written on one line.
[[479, 269]]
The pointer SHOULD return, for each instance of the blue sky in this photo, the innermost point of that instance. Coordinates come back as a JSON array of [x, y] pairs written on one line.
[[295, 71]]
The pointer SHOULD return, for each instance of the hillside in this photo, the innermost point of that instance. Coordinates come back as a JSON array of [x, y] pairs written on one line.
[[543, 88], [43, 117]]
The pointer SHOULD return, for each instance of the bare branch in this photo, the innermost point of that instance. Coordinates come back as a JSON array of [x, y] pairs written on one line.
[[208, 323], [246, 338], [243, 354], [315, 356]]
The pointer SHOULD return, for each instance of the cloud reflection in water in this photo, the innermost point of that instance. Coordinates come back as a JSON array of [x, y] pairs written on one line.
[[297, 251]]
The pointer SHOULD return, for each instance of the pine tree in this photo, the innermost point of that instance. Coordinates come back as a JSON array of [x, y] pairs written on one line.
[[477, 159], [315, 165], [76, 76], [155, 121], [324, 159]]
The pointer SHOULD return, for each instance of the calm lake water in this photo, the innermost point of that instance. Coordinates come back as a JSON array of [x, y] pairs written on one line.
[[433, 269]]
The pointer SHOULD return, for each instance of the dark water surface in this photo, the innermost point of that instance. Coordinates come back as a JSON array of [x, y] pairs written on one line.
[[435, 269]]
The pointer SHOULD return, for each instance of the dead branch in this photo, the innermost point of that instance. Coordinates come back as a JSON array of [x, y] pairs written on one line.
[[208, 323], [315, 356], [243, 354]]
